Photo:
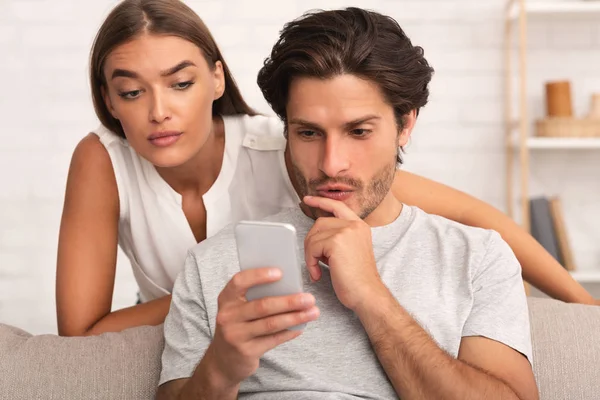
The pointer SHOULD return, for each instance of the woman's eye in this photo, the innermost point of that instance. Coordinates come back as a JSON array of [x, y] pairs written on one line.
[[132, 94], [183, 85]]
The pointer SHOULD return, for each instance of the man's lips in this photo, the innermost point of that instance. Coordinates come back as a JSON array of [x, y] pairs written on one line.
[[334, 187], [340, 196], [335, 192]]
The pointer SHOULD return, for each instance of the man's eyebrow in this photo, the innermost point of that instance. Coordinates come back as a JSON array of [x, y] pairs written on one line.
[[347, 125], [362, 120], [305, 123], [130, 74]]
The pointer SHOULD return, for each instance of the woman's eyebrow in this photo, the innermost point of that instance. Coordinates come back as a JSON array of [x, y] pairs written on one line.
[[170, 71]]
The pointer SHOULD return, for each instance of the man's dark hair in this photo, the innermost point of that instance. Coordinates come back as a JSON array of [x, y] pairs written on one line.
[[369, 45]]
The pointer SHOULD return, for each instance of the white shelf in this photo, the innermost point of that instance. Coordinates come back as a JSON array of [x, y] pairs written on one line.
[[563, 143], [586, 276], [543, 143], [562, 7]]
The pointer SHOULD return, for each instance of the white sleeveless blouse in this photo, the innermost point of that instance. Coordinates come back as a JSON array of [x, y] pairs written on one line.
[[153, 230]]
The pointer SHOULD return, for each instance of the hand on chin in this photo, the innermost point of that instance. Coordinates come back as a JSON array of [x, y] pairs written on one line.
[[315, 212]]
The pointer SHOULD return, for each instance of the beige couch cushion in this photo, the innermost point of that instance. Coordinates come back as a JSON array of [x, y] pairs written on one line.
[[566, 349], [126, 365], [111, 366]]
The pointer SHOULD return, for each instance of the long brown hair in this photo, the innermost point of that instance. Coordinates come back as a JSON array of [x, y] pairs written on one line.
[[132, 18], [324, 44]]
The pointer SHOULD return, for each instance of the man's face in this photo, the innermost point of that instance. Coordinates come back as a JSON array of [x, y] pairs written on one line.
[[343, 141]]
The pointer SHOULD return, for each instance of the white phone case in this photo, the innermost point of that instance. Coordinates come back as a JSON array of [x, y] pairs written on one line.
[[269, 244]]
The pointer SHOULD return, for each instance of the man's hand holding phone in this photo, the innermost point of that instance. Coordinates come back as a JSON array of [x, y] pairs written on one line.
[[261, 308], [245, 330]]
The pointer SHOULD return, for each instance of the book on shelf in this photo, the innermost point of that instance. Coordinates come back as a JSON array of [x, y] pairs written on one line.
[[564, 246], [548, 228]]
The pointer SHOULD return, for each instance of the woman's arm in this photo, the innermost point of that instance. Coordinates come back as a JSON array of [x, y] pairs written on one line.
[[87, 250], [539, 267]]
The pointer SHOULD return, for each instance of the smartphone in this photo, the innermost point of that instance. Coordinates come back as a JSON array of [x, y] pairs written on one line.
[[270, 244]]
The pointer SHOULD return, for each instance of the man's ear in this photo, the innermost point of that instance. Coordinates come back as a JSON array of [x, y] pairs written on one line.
[[409, 123], [219, 77], [107, 102]]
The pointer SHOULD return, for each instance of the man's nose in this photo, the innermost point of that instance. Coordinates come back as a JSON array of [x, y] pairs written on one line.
[[334, 157]]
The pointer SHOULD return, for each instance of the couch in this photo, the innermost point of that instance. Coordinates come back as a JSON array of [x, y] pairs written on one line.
[[126, 365]]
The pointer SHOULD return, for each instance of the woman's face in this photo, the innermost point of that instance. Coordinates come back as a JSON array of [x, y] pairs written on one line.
[[161, 89]]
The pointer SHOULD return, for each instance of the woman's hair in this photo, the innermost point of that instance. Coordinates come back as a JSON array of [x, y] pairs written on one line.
[[132, 18], [369, 45]]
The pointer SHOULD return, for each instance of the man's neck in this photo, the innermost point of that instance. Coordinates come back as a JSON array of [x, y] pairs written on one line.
[[386, 212]]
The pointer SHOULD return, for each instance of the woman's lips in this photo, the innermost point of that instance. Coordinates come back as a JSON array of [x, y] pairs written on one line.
[[164, 139]]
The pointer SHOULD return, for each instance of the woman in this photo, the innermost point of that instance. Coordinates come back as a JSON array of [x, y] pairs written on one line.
[[174, 162]]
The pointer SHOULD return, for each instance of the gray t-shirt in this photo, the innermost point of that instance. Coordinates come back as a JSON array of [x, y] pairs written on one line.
[[454, 280]]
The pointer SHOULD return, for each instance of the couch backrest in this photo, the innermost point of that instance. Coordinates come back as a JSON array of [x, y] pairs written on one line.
[[126, 365], [111, 366], [566, 349]]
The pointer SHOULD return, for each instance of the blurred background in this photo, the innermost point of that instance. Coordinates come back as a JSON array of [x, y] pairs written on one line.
[[460, 139]]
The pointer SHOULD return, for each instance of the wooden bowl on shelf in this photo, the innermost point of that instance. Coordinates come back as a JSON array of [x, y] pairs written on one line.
[[568, 127]]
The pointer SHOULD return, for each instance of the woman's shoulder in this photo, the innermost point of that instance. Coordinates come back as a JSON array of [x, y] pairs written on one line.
[[261, 132], [110, 155], [91, 151], [258, 125], [117, 147], [109, 138]]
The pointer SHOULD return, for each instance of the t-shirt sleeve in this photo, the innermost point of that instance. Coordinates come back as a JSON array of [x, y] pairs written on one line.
[[186, 328], [499, 310]]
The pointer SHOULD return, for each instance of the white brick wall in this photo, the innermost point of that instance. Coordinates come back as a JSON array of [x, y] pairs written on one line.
[[45, 109]]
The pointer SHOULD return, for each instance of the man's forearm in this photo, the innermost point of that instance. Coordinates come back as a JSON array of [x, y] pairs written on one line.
[[416, 366], [206, 384]]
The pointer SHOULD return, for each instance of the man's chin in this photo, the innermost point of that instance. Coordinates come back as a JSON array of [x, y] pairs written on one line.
[[318, 213], [315, 213]]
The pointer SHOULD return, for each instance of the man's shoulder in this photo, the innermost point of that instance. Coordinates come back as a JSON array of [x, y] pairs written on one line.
[[449, 229], [451, 237], [458, 250], [223, 242], [291, 215]]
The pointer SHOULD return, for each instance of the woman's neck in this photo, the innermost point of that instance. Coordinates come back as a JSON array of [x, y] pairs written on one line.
[[199, 173]]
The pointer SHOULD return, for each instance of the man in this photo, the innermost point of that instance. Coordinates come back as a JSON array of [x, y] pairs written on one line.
[[398, 303]]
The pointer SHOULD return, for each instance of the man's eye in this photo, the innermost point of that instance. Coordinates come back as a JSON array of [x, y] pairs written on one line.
[[360, 132], [307, 134]]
